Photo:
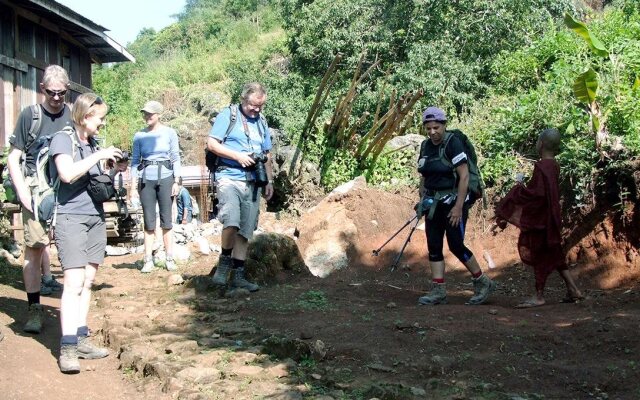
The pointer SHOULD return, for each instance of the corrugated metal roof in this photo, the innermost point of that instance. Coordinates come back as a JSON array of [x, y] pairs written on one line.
[[91, 35]]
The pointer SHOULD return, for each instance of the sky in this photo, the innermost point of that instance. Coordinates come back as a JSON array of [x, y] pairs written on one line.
[[124, 19]]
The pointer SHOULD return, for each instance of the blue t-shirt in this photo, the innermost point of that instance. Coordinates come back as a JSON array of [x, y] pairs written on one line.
[[257, 140]]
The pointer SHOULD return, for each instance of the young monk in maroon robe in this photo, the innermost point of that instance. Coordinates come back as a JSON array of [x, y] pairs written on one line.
[[535, 209]]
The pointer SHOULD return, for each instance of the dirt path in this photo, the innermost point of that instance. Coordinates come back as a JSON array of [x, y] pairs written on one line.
[[28, 363]]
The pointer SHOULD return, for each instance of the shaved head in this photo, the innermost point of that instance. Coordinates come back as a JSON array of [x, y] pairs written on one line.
[[550, 140]]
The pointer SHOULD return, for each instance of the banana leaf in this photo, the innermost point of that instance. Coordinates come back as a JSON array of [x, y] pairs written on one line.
[[581, 29], [585, 87]]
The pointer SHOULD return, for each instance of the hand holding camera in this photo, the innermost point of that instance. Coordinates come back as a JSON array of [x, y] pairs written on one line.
[[121, 163], [261, 177]]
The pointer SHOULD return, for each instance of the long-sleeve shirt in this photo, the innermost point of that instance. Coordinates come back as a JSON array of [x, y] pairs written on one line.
[[158, 145]]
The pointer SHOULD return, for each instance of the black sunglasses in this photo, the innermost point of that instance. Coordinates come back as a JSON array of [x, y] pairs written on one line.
[[54, 93]]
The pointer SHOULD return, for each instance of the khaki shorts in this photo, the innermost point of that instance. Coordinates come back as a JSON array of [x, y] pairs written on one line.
[[236, 206], [35, 232]]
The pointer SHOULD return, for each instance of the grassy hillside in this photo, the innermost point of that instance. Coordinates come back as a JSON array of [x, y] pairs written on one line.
[[503, 70]]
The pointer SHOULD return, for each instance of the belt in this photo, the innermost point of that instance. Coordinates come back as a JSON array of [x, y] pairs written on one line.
[[432, 197], [160, 163]]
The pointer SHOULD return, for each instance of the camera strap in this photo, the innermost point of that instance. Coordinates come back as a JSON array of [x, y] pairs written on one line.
[[247, 133]]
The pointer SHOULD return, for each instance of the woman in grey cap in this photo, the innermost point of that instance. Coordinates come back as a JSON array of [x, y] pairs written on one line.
[[445, 196], [155, 179]]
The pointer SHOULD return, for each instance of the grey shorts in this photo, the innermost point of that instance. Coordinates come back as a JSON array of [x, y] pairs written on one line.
[[80, 239], [236, 206]]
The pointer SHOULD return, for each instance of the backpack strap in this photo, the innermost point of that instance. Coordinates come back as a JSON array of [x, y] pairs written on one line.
[[442, 154], [36, 124], [233, 117]]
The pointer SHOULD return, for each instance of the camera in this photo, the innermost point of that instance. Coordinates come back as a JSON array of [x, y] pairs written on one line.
[[261, 178], [124, 158]]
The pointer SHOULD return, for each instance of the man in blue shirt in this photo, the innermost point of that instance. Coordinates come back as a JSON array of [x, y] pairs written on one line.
[[184, 206], [243, 153]]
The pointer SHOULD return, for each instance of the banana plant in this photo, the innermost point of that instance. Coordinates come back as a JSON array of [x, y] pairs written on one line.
[[585, 87]]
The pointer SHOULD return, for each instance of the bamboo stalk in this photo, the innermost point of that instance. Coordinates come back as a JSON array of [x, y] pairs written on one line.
[[380, 93]]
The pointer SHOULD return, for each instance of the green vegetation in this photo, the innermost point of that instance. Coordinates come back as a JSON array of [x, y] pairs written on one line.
[[503, 70]]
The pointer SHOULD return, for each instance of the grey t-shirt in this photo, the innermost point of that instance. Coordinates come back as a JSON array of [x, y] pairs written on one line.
[[73, 198]]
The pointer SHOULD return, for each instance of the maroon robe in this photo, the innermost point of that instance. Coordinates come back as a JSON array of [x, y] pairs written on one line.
[[535, 209]]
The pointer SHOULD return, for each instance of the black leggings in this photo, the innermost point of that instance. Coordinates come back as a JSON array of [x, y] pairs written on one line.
[[439, 225], [160, 192]]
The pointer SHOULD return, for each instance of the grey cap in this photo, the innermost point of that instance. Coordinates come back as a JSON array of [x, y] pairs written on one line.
[[153, 107], [433, 114]]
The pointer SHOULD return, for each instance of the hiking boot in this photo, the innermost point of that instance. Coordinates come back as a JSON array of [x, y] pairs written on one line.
[[89, 351], [36, 314], [45, 290], [68, 361], [483, 286], [51, 283], [240, 282], [221, 276], [437, 295], [170, 265], [148, 266]]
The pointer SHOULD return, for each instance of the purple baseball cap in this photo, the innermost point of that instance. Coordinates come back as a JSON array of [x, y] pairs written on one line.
[[433, 114]]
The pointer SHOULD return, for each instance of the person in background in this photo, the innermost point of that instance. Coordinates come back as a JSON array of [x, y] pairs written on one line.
[[238, 184], [54, 116], [446, 188], [79, 225], [535, 209], [184, 206], [156, 179]]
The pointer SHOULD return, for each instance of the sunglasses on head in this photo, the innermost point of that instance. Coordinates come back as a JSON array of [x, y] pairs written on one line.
[[97, 101], [54, 93]]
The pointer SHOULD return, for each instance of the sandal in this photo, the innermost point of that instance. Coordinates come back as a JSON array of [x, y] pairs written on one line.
[[570, 298]]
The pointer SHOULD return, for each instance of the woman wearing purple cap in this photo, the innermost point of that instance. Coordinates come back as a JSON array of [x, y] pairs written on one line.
[[444, 190]]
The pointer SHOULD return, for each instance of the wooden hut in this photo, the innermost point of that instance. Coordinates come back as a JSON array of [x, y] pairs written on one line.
[[37, 33]]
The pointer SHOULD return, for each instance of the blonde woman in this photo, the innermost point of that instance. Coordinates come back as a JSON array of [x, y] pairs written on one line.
[[156, 179], [80, 229]]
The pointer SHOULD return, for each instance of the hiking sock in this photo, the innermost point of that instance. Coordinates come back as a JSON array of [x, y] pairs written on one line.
[[438, 280], [477, 274], [47, 278], [33, 298], [69, 339], [238, 263], [83, 331], [227, 252]]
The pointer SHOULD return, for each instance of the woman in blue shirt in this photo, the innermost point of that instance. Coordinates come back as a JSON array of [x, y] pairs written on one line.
[[155, 179]]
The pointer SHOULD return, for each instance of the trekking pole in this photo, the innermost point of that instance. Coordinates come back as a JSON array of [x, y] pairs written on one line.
[[420, 211], [377, 251], [406, 242]]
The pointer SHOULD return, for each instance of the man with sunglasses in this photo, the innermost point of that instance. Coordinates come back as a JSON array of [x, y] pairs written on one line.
[[54, 115]]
